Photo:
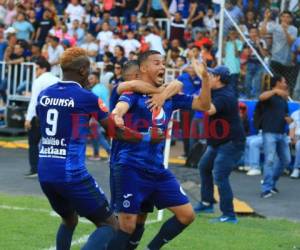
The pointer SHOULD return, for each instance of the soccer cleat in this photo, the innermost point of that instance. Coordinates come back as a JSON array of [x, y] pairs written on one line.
[[31, 175], [295, 174], [254, 172], [225, 219], [274, 191], [201, 208], [266, 194]]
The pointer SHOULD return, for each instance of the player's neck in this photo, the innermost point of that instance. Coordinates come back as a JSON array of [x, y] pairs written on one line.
[[71, 78]]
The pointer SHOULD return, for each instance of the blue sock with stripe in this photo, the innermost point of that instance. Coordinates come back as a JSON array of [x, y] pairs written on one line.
[[64, 237]]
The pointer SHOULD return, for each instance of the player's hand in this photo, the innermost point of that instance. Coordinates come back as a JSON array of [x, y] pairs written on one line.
[[200, 68], [119, 121], [27, 125], [157, 135], [156, 101]]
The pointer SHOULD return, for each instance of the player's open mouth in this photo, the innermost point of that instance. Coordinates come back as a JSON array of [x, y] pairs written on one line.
[[160, 76]]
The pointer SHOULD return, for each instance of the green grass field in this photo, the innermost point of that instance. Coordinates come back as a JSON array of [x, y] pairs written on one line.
[[26, 223]]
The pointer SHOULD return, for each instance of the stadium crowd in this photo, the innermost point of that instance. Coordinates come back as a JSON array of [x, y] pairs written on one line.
[[116, 31]]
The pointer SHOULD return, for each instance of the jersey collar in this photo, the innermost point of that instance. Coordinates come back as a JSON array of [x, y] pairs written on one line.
[[66, 82]]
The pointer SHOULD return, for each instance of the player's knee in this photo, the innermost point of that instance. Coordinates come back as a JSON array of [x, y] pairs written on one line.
[[187, 217], [127, 222]]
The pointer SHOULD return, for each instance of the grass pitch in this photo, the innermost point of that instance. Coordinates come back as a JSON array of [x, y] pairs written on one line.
[[26, 223]]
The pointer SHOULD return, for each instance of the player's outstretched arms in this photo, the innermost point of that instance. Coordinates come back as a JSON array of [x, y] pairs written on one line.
[[138, 86], [203, 101], [158, 100]]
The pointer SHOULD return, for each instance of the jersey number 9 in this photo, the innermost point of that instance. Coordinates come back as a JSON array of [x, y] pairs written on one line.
[[52, 116]]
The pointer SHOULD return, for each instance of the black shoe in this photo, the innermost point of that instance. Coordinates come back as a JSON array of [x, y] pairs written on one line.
[[31, 175], [274, 191]]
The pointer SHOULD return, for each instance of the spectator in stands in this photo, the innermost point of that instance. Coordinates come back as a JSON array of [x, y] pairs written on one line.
[[95, 18], [119, 55], [74, 11], [274, 120], [235, 12], [104, 37], [24, 29], [43, 27], [177, 27], [32, 19], [44, 80], [231, 53], [196, 17], [10, 13], [295, 139], [90, 46], [3, 44], [98, 135], [154, 41], [182, 6], [131, 7], [55, 50], [180, 63], [107, 18], [284, 34], [155, 9], [117, 78], [296, 60], [107, 75], [210, 20], [172, 56], [118, 8], [35, 52], [250, 20], [254, 69], [130, 44], [77, 32], [133, 24]]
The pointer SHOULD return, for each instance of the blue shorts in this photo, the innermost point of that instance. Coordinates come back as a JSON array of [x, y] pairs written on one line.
[[135, 190], [82, 197]]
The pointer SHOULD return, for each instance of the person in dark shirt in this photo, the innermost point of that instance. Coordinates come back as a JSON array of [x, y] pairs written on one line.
[[225, 140], [274, 122], [44, 26]]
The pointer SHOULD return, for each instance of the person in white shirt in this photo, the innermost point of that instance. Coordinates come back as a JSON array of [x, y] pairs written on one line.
[[130, 44], [209, 20], [44, 80], [295, 139], [115, 41], [154, 41], [74, 11], [55, 50], [104, 37], [90, 46]]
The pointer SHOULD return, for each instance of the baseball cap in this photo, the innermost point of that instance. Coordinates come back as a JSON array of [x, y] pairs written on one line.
[[221, 71]]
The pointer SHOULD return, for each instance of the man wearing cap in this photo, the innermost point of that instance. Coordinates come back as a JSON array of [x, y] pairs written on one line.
[[226, 138]]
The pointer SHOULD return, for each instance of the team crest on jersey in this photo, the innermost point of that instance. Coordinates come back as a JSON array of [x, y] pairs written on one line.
[[158, 116], [102, 105]]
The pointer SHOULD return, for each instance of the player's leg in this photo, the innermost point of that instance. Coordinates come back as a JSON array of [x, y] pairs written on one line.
[[67, 212], [127, 197], [170, 195], [89, 201], [146, 207]]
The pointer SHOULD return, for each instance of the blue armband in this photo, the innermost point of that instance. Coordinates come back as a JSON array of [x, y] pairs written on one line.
[[146, 137]]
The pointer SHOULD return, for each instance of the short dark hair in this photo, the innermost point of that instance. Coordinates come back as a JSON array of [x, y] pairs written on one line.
[[121, 48], [144, 56], [130, 64], [274, 79], [96, 74], [43, 63], [286, 12]]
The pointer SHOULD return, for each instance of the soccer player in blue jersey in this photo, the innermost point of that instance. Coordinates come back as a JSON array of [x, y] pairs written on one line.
[[130, 73], [64, 111], [138, 172]]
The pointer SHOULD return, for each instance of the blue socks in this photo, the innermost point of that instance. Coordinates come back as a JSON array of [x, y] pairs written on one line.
[[135, 238], [169, 230], [64, 237], [119, 241], [99, 239]]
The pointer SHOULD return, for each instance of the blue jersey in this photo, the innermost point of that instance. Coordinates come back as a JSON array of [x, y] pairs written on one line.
[[145, 154], [64, 111]]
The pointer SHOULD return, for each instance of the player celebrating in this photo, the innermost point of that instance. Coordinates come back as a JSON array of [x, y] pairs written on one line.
[[139, 174], [64, 111]]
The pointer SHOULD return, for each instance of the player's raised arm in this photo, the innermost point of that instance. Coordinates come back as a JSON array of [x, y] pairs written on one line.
[[202, 102]]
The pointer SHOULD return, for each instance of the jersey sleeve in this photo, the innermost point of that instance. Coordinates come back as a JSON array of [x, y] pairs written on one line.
[[181, 101], [96, 107], [128, 97]]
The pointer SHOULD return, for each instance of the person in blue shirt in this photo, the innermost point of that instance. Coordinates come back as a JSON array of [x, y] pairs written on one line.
[[226, 140], [64, 111], [24, 29], [138, 172], [191, 85]]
